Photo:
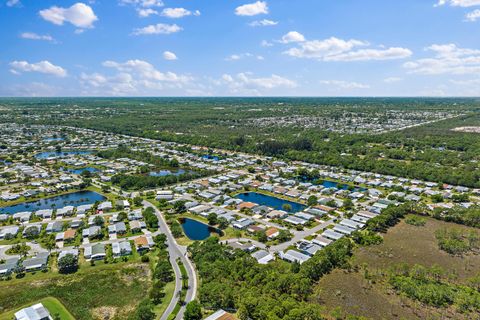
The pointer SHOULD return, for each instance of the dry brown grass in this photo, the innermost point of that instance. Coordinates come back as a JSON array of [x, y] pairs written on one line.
[[404, 243]]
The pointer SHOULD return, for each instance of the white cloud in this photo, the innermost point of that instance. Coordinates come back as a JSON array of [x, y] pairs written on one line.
[[252, 9], [34, 36], [246, 83], [133, 77], [265, 43], [145, 70], [447, 59], [340, 84], [473, 16], [240, 56], [470, 82], [263, 23], [13, 3], [292, 36], [335, 49], [143, 3], [45, 67], [176, 13], [392, 79], [79, 14], [143, 13], [372, 54], [459, 3], [95, 79], [168, 55], [159, 28]]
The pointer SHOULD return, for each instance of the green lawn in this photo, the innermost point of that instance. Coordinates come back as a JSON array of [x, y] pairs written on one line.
[[55, 307], [169, 292], [114, 288]]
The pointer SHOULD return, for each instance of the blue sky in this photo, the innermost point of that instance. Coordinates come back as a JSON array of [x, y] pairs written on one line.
[[240, 48]]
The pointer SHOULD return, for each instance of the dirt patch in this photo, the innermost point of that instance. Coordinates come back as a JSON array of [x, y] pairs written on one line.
[[104, 313], [126, 311], [467, 129], [137, 272]]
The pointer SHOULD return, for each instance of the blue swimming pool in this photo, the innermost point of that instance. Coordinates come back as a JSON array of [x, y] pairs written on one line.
[[70, 199], [269, 201]]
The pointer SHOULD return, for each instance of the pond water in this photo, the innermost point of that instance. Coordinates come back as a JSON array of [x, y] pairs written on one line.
[[70, 199], [210, 157], [340, 186], [163, 173], [269, 201], [196, 230], [331, 184], [62, 154], [81, 170]]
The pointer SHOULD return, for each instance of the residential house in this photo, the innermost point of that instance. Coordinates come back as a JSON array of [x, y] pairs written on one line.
[[9, 232], [8, 266], [95, 252], [122, 248], [105, 206], [35, 312], [22, 216], [272, 233], [117, 228], [65, 212], [263, 256], [92, 232], [294, 256], [63, 253], [242, 223], [137, 226], [39, 262], [144, 242], [54, 226], [221, 315]]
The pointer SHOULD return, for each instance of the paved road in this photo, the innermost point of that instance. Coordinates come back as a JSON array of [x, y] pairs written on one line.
[[176, 252], [34, 249], [300, 235]]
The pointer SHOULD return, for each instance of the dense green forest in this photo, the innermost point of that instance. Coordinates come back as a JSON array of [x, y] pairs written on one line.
[[142, 180], [234, 280], [431, 152]]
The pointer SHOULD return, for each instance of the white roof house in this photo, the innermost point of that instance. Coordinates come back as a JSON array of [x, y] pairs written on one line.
[[263, 256], [35, 312], [292, 256]]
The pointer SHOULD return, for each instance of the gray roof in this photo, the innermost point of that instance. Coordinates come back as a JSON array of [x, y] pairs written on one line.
[[35, 312]]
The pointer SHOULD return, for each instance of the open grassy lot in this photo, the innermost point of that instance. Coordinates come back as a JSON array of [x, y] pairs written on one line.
[[55, 307], [364, 291], [417, 245], [169, 291], [108, 291]]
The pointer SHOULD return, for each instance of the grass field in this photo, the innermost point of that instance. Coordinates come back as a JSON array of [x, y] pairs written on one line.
[[169, 291], [364, 292], [106, 291], [55, 307], [418, 245]]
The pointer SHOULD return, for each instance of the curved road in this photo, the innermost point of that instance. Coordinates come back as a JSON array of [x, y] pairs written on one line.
[[176, 252]]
